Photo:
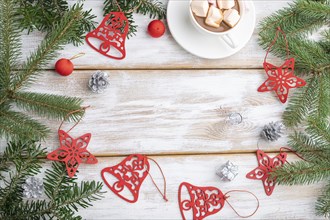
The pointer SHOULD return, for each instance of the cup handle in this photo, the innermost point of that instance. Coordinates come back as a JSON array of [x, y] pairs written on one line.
[[229, 40]]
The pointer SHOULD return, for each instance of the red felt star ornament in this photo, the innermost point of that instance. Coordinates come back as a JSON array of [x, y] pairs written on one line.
[[72, 152], [281, 79], [266, 165]]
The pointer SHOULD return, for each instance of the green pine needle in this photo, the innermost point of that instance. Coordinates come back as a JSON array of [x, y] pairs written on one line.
[[323, 203], [302, 172], [153, 8], [17, 125], [42, 14], [47, 105], [309, 108], [64, 195]]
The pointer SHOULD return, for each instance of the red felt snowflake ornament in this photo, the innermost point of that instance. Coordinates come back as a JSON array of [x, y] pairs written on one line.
[[72, 151], [280, 78]]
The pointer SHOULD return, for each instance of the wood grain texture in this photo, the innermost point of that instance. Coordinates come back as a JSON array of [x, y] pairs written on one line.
[[164, 52], [165, 101], [286, 202], [177, 111]]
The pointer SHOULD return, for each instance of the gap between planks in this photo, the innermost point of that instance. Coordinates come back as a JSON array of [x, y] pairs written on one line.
[[174, 68], [190, 154]]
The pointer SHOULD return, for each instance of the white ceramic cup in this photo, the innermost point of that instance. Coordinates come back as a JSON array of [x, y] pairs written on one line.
[[226, 36]]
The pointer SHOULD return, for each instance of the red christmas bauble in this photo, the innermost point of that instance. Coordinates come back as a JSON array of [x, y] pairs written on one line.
[[156, 28], [64, 67]]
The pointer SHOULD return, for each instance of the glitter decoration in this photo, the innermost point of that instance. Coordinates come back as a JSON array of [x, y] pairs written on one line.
[[235, 118], [98, 82], [228, 171], [33, 188], [272, 131]]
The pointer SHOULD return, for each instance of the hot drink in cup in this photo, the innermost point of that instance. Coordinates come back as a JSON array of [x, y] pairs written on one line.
[[217, 17]]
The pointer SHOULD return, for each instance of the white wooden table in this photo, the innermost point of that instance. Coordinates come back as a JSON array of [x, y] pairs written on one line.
[[173, 106]]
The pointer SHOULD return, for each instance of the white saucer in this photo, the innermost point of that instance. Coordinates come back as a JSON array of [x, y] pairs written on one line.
[[201, 45]]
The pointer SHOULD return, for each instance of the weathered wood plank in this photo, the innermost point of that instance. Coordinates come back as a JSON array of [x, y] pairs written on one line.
[[146, 52], [286, 202], [179, 111]]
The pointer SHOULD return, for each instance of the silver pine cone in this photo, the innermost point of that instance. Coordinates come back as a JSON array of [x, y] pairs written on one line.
[[272, 131], [98, 82]]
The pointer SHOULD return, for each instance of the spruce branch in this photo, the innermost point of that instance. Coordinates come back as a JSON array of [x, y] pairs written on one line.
[[18, 126], [302, 172], [298, 21], [42, 14], [301, 104], [310, 149], [310, 106], [26, 164], [9, 42], [47, 105], [64, 194], [153, 8], [323, 203], [60, 35]]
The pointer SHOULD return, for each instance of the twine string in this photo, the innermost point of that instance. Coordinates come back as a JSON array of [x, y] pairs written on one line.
[[292, 151], [279, 30], [77, 56], [247, 216], [153, 181], [70, 113]]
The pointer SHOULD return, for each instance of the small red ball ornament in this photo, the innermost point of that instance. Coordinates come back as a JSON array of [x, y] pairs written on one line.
[[156, 28], [64, 67]]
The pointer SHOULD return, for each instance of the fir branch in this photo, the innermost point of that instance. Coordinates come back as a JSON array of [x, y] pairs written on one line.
[[42, 14], [323, 203], [47, 105], [63, 31], [9, 42], [319, 130], [301, 172], [27, 164], [81, 196], [311, 105], [310, 149], [56, 180], [297, 21], [153, 8], [18, 126], [301, 103]]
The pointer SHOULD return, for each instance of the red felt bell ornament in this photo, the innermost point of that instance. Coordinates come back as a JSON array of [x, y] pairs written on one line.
[[129, 176], [280, 78], [109, 37], [200, 202]]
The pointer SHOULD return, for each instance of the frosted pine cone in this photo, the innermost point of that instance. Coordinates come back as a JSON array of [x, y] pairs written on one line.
[[272, 131], [33, 188], [98, 82]]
